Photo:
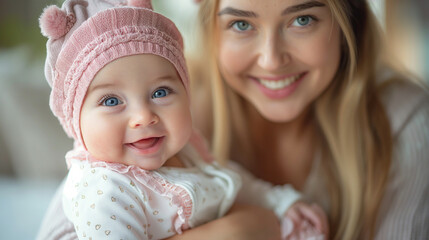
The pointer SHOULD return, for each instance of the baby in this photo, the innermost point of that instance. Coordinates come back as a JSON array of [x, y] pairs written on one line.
[[138, 170]]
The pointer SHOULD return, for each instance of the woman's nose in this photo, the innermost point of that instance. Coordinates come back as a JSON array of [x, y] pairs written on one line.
[[142, 118], [272, 53]]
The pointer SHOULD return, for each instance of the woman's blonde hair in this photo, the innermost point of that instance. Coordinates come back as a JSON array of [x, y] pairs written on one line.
[[353, 128]]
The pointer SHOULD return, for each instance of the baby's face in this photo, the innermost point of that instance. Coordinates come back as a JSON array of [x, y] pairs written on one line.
[[136, 112]]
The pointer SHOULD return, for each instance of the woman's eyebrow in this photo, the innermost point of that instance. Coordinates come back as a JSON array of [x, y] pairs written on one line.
[[237, 12], [302, 6]]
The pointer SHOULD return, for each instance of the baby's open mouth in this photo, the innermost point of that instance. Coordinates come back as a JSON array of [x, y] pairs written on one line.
[[145, 143]]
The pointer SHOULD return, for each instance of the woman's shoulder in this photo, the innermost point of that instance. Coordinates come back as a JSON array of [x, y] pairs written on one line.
[[402, 101]]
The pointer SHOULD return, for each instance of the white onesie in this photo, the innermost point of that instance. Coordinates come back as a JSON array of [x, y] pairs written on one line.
[[126, 202]]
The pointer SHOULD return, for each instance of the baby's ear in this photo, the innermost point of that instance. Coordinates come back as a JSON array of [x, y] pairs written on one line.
[[140, 3], [55, 23]]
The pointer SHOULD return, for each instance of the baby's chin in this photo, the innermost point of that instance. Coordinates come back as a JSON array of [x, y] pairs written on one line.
[[149, 164]]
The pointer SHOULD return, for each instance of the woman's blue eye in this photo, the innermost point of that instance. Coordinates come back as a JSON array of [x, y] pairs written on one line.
[[241, 26], [111, 101], [302, 21], [160, 93]]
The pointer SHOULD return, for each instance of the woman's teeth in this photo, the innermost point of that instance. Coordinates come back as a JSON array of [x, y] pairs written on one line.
[[279, 84]]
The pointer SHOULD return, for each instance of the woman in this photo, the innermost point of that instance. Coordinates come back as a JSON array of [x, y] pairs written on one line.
[[302, 94]]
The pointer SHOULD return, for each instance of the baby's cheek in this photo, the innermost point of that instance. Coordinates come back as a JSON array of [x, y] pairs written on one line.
[[179, 126], [98, 139], [90, 136]]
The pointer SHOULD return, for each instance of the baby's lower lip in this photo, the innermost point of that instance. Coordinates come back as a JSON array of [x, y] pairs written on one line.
[[145, 143], [146, 146]]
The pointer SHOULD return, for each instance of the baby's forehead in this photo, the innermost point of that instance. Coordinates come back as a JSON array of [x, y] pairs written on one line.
[[133, 71], [144, 62]]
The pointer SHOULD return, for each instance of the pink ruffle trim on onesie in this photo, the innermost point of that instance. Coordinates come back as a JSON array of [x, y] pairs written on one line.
[[179, 196]]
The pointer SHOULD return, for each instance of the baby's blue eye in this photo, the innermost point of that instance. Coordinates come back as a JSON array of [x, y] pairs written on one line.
[[302, 21], [111, 101], [160, 93], [241, 26]]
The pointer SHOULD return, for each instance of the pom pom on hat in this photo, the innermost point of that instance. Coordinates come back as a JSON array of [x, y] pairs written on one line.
[[55, 23], [140, 3]]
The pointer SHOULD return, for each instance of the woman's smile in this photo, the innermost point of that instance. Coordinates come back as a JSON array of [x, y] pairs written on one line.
[[276, 83], [278, 87]]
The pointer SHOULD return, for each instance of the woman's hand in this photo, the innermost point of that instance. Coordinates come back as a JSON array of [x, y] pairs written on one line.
[[243, 222]]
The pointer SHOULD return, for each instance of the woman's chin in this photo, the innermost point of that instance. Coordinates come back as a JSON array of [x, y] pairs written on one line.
[[278, 116]]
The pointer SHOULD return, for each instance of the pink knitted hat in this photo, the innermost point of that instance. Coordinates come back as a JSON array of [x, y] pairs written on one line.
[[85, 35]]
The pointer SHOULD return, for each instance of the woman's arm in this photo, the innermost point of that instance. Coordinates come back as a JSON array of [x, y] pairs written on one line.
[[242, 222]]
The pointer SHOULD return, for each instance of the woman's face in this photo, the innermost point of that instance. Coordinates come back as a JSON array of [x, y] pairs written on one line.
[[280, 55]]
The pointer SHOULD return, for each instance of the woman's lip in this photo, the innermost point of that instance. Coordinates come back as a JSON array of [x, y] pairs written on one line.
[[277, 78], [279, 93], [147, 145]]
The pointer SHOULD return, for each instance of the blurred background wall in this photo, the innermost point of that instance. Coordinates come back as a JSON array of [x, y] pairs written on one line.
[[32, 143], [407, 29]]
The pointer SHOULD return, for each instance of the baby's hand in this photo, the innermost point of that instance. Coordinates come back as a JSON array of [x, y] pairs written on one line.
[[304, 221]]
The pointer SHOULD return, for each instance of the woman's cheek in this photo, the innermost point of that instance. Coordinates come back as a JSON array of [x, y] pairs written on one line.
[[233, 56]]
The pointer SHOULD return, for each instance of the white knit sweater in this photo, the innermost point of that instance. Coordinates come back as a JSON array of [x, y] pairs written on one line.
[[404, 211]]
